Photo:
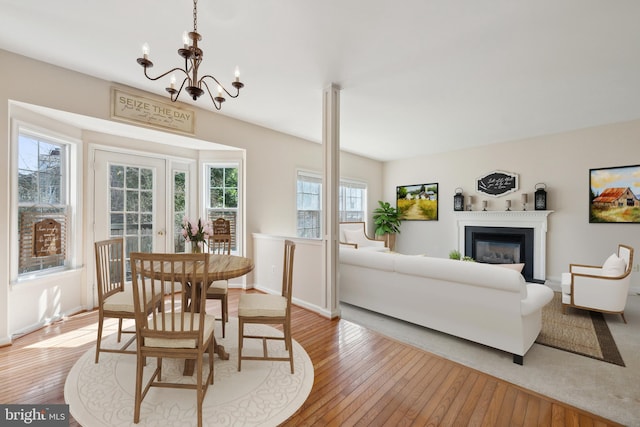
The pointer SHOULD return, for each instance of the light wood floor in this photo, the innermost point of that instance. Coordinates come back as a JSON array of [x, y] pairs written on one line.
[[361, 379]]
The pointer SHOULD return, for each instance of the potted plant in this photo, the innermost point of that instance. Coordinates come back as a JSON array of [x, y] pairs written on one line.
[[387, 223], [455, 254]]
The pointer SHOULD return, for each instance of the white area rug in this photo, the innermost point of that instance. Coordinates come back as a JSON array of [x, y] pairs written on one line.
[[262, 394]]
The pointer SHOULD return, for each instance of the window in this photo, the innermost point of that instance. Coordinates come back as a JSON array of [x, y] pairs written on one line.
[[309, 205], [179, 209], [223, 196], [351, 203], [43, 210]]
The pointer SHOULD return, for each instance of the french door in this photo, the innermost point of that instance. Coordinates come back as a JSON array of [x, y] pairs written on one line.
[[131, 202]]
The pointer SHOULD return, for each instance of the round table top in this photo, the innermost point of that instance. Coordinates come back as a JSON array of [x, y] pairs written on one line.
[[223, 267]]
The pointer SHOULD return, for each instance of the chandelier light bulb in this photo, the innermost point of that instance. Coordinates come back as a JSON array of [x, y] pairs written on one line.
[[219, 90], [145, 50], [237, 73], [172, 81], [185, 39]]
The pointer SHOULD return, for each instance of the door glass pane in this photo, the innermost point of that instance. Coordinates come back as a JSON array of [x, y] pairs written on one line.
[[179, 209], [131, 210]]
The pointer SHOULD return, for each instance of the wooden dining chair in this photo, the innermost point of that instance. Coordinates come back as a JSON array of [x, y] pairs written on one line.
[[115, 297], [269, 309], [177, 331], [220, 243]]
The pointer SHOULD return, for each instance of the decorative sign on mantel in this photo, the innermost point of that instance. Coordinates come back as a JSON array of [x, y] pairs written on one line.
[[497, 183], [134, 108]]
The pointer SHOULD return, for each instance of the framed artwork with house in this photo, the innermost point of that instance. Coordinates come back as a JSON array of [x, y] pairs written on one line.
[[614, 194], [417, 202]]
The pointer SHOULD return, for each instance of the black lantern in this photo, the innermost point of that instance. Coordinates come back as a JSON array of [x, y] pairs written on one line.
[[540, 196], [458, 200]]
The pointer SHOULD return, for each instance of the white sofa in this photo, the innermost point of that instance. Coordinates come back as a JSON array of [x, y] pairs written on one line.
[[479, 302]]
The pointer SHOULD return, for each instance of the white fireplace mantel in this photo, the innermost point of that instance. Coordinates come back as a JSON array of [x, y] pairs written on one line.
[[522, 219]]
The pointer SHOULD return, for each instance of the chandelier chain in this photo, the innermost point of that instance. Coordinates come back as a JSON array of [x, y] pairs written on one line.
[[195, 16]]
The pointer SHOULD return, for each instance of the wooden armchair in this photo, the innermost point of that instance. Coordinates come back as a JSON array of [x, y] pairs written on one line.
[[599, 288], [353, 234]]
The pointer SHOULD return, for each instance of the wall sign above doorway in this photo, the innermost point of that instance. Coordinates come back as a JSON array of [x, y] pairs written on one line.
[[497, 183], [139, 109]]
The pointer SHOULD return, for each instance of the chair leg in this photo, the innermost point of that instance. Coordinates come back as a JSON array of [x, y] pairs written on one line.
[[199, 386], [289, 344], [211, 353], [119, 329], [138, 394], [99, 340], [240, 339], [622, 314], [224, 314]]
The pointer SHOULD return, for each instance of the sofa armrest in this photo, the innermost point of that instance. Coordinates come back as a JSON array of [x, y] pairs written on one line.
[[537, 297]]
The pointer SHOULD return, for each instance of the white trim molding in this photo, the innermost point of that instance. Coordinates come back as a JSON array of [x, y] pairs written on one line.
[[522, 219]]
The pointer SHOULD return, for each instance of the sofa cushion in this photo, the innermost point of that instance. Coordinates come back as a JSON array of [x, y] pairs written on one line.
[[472, 273], [613, 266], [370, 259], [516, 267]]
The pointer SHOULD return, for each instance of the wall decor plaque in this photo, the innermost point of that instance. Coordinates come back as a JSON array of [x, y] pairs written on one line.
[[497, 183], [135, 108], [47, 238]]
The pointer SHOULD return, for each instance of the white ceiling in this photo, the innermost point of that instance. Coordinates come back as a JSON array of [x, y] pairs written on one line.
[[417, 76]]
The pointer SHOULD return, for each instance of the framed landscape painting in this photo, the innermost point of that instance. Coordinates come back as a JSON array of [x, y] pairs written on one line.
[[613, 195], [417, 202]]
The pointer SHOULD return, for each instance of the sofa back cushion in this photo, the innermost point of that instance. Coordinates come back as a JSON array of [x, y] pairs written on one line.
[[472, 273], [368, 259]]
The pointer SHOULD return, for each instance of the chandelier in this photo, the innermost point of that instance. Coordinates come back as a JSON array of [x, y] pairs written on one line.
[[192, 55]]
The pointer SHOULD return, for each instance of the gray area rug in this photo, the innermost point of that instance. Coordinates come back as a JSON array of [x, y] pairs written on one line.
[[578, 331]]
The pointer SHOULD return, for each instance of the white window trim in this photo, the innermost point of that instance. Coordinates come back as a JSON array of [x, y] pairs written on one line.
[[74, 189], [226, 163]]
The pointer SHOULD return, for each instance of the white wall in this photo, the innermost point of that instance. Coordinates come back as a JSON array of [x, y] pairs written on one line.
[[272, 159], [560, 161], [308, 291]]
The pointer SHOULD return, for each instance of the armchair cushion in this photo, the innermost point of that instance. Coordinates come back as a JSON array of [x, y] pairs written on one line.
[[354, 236], [613, 266]]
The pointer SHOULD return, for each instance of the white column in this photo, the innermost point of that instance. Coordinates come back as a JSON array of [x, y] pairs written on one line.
[[330, 192]]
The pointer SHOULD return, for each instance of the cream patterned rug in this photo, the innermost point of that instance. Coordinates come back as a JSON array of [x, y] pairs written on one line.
[[578, 331], [262, 394]]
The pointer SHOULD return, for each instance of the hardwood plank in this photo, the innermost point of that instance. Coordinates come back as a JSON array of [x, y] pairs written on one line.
[[361, 378]]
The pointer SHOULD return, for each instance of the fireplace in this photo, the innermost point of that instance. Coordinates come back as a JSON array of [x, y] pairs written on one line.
[[501, 245], [536, 221]]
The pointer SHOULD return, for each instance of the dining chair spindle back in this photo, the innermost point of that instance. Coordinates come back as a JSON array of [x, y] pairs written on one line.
[[115, 295], [220, 243], [176, 331]]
